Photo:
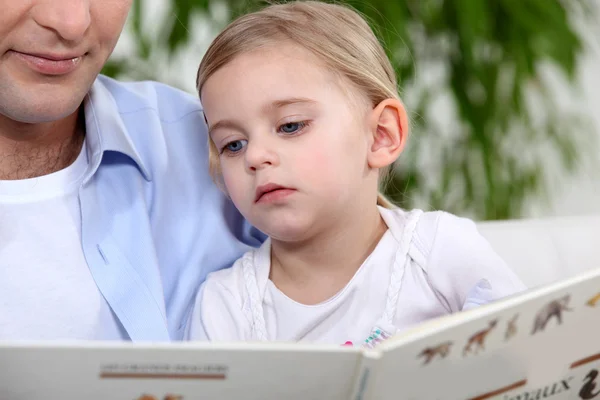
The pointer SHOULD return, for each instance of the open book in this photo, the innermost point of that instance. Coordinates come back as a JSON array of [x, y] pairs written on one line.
[[542, 344]]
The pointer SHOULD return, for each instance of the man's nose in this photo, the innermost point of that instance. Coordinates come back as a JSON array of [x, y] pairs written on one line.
[[70, 19]]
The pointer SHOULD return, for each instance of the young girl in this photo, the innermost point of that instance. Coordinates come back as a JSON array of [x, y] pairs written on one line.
[[304, 121]]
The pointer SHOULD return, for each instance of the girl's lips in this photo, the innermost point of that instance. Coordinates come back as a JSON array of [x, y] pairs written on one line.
[[275, 195]]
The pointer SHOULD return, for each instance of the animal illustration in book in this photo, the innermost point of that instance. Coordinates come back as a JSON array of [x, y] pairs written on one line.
[[511, 328], [553, 309], [478, 339], [429, 353], [594, 300], [588, 390]]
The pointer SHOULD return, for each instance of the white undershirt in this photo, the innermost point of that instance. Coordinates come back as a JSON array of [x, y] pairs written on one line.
[[442, 265], [46, 288]]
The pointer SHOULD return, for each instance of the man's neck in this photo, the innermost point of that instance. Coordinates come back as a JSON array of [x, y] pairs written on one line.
[[313, 271], [32, 150]]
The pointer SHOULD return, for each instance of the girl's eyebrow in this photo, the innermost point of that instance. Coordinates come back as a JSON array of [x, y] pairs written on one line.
[[229, 124], [288, 101], [224, 123]]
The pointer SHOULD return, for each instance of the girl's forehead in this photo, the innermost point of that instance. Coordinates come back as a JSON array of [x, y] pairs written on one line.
[[275, 72], [286, 55], [272, 69], [302, 63]]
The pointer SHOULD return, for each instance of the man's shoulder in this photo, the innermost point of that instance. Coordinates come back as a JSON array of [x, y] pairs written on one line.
[[159, 126], [168, 103]]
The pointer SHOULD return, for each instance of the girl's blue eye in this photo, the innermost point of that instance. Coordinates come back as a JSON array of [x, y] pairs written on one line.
[[291, 127], [236, 145]]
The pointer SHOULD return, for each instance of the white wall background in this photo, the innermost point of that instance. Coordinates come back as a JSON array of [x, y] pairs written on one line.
[[581, 194], [569, 195]]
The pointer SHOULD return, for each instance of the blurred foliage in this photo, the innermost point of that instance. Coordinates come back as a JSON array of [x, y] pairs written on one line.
[[490, 55]]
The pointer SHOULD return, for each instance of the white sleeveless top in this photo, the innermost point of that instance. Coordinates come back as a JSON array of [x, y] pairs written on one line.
[[425, 265]]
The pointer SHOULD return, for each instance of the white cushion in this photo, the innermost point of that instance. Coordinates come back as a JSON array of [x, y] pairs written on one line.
[[542, 251]]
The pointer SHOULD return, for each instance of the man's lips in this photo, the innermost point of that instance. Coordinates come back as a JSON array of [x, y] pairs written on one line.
[[271, 191], [50, 63]]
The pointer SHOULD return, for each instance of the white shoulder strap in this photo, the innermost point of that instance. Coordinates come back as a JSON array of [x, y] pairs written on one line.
[[254, 309], [401, 262]]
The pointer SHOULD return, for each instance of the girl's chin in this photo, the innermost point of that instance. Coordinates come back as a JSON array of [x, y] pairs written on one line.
[[287, 237], [290, 225], [288, 234]]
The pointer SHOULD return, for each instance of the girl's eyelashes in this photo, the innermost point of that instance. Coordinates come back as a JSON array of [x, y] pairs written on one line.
[[288, 129], [234, 146], [291, 128]]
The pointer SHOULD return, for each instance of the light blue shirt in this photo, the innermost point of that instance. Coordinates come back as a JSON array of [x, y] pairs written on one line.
[[153, 224]]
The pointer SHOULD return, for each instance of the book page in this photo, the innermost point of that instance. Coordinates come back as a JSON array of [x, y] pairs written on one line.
[[542, 344], [176, 371]]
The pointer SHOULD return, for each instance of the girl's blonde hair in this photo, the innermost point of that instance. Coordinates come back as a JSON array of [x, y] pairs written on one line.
[[336, 34]]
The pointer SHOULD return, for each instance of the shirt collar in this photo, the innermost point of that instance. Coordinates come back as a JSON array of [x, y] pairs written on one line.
[[105, 130]]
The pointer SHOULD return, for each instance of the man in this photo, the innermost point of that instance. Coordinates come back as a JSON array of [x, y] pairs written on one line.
[[109, 221]]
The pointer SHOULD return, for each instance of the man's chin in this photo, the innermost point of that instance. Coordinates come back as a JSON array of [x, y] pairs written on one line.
[[36, 101], [43, 109]]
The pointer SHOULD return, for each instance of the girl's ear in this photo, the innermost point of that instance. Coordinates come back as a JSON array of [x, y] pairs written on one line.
[[389, 129]]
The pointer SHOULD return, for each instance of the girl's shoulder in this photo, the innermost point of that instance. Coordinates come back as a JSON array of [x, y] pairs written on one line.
[[442, 235], [435, 231], [221, 307], [464, 267], [232, 282], [456, 260]]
